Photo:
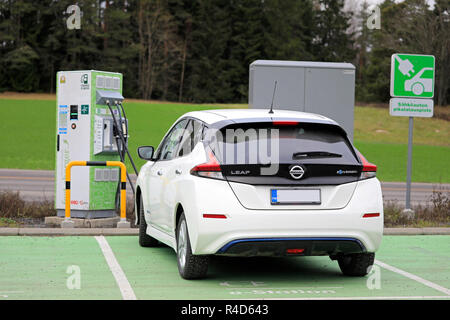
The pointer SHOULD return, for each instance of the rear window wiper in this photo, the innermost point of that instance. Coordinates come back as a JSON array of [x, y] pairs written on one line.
[[316, 154]]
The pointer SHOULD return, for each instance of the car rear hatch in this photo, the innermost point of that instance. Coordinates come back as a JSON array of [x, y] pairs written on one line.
[[282, 165]]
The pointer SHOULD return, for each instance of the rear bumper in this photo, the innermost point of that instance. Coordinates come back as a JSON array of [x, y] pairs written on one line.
[[291, 246], [244, 226]]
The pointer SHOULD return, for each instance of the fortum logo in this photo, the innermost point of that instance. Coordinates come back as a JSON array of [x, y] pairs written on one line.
[[84, 82], [84, 79]]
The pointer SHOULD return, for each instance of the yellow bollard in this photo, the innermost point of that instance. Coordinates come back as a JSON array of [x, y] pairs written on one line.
[[123, 188]]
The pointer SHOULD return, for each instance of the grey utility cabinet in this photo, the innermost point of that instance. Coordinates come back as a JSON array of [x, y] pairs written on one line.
[[325, 88]]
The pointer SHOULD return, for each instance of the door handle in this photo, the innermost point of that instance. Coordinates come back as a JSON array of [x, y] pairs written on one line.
[[159, 172], [178, 171]]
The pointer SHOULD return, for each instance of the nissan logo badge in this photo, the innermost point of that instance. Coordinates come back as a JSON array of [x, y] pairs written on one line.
[[296, 172]]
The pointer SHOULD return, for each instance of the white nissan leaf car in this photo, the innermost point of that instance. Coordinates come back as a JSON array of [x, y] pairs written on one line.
[[254, 183]]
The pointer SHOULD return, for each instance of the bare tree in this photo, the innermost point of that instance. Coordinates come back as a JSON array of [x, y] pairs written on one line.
[[360, 32], [159, 47], [172, 47], [187, 37]]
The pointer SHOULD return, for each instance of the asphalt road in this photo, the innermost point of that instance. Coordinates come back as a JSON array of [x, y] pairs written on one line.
[[35, 185]]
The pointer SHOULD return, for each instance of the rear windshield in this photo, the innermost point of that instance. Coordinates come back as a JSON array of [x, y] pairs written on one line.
[[265, 143]]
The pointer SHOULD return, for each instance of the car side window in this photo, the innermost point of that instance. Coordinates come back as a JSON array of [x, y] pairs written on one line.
[[172, 141], [198, 132], [190, 138], [185, 145]]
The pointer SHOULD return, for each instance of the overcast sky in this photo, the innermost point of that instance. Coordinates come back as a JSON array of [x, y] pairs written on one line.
[[430, 2]]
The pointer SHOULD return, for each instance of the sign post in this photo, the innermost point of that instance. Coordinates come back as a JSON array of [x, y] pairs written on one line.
[[412, 91], [409, 165]]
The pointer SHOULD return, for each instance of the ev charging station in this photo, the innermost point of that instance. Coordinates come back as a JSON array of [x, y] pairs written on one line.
[[90, 118], [325, 88]]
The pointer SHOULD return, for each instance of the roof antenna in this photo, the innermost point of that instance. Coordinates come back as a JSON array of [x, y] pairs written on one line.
[[273, 97]]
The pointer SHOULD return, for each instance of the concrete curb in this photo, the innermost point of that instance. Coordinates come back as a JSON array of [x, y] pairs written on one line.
[[68, 232], [416, 231], [102, 223], [134, 231]]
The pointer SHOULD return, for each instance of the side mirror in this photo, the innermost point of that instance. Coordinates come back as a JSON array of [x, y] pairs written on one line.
[[145, 152]]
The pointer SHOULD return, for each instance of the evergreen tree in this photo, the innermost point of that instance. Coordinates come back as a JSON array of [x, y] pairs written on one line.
[[246, 44], [288, 30], [331, 40], [363, 45], [119, 50], [18, 38], [211, 31], [378, 69], [200, 51]]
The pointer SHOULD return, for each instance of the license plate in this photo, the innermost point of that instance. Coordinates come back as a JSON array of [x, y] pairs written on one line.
[[295, 196]]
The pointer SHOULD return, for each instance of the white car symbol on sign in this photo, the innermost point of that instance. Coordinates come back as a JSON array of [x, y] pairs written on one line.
[[419, 85]]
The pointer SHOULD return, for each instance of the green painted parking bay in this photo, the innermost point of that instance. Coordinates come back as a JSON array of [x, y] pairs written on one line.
[[36, 268]]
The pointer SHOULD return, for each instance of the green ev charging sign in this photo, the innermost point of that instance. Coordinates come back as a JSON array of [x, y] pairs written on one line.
[[412, 75], [412, 90], [412, 85]]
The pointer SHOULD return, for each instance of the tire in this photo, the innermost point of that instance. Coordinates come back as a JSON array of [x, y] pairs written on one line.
[[357, 264], [190, 266], [144, 239]]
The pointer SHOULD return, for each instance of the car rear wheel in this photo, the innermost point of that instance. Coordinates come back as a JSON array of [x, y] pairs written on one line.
[[190, 266], [144, 239], [357, 264]]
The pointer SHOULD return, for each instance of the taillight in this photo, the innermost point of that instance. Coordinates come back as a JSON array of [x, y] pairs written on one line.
[[371, 215], [210, 169], [214, 216], [369, 170], [295, 251], [285, 123]]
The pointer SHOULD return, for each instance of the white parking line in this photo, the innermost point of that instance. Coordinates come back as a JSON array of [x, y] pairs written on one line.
[[413, 277], [287, 288], [114, 266], [356, 298]]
